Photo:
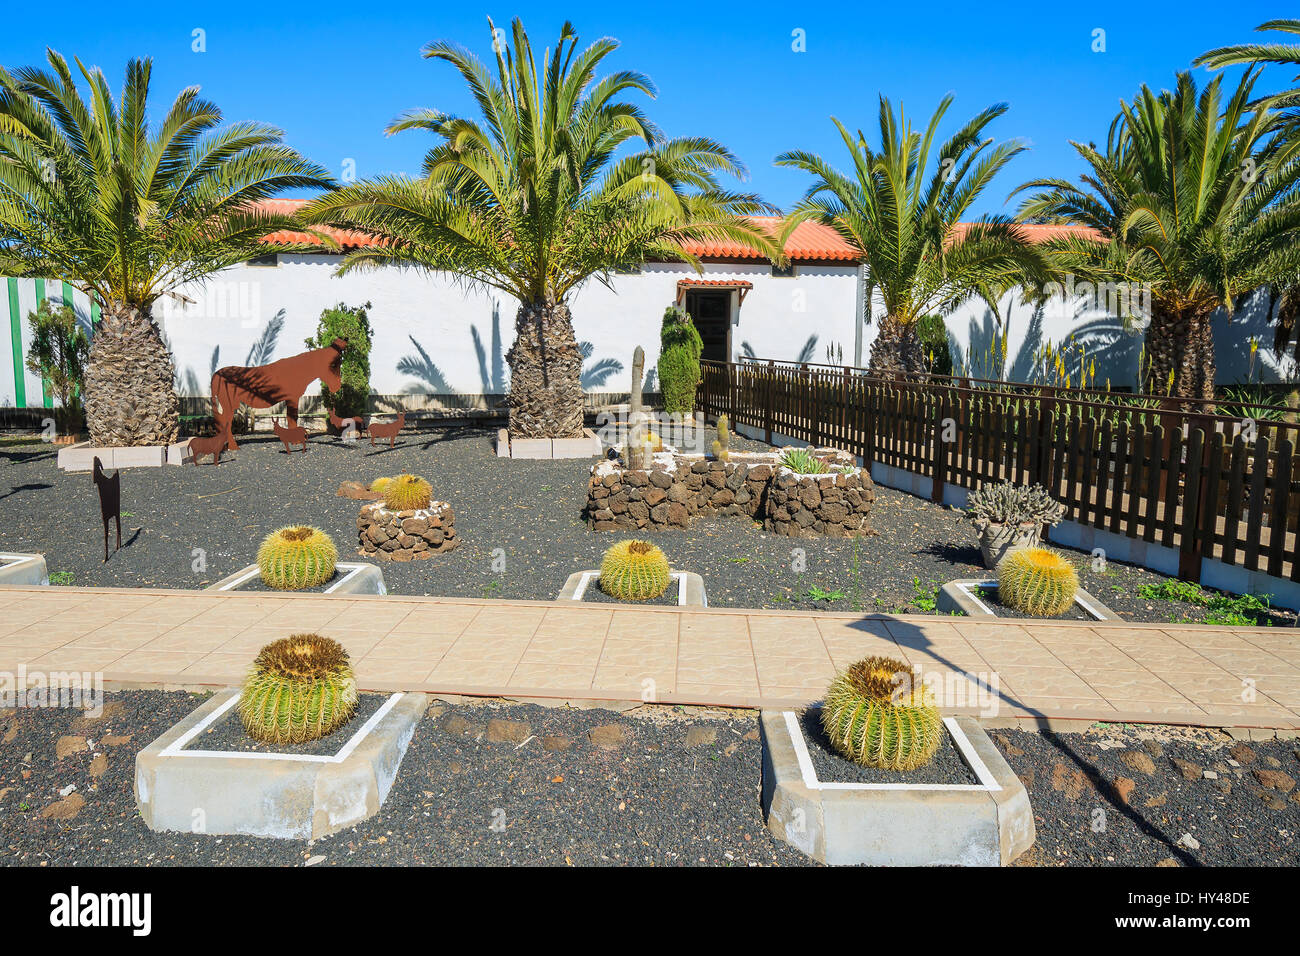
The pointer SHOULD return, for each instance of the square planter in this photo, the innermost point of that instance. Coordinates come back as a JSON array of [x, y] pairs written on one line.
[[286, 795], [21, 569], [587, 446], [689, 588], [959, 596], [350, 577], [987, 823]]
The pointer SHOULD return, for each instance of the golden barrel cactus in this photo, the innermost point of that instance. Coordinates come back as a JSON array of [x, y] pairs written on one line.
[[380, 485], [1038, 581], [296, 557], [634, 571], [300, 688], [879, 715], [407, 493]]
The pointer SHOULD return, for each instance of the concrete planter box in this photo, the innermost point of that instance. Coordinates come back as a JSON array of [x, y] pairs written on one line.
[[20, 569], [689, 585], [81, 456], [895, 824], [960, 596], [587, 446], [351, 577], [290, 796]]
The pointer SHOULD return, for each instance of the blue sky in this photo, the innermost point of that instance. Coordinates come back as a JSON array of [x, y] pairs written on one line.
[[333, 75]]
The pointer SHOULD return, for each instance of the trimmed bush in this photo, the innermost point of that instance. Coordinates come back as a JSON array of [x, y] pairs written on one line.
[[680, 347], [351, 323]]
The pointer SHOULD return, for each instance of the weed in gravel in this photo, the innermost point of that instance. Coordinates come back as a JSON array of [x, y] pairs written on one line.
[[926, 595], [820, 594], [61, 577], [1224, 610]]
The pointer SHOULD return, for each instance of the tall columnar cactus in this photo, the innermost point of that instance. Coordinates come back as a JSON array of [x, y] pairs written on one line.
[[636, 454], [877, 714], [1037, 581], [300, 688], [407, 493], [634, 571], [720, 449], [297, 557]]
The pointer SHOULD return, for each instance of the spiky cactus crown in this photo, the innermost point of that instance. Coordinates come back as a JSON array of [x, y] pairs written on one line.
[[380, 485], [300, 688], [408, 493], [1037, 581], [634, 571], [296, 557], [877, 714]]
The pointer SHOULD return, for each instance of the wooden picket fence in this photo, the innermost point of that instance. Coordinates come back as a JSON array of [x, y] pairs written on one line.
[[1146, 468]]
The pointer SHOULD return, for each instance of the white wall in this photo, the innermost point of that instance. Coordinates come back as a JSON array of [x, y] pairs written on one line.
[[424, 326]]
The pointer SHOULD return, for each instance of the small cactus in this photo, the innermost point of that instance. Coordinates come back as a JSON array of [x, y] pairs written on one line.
[[1037, 581], [380, 485], [720, 449], [408, 493], [877, 714], [300, 688], [297, 557], [634, 571]]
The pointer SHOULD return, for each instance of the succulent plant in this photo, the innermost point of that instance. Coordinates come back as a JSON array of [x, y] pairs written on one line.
[[803, 462], [408, 493], [296, 557], [1037, 581], [877, 714], [720, 449], [380, 485], [300, 688], [634, 571], [1007, 503]]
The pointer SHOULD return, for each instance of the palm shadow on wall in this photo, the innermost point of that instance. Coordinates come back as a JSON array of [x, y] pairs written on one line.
[[1105, 340], [260, 353]]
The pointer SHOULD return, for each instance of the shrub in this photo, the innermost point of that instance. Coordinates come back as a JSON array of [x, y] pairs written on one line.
[[296, 557], [300, 688], [407, 493], [876, 714], [1007, 503], [680, 347], [1037, 581], [804, 462], [351, 323], [634, 571], [933, 333], [58, 353]]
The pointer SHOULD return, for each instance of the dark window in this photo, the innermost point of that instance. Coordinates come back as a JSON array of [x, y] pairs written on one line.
[[270, 260], [783, 272]]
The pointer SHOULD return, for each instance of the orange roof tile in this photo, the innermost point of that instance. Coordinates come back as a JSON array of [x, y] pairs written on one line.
[[810, 241]]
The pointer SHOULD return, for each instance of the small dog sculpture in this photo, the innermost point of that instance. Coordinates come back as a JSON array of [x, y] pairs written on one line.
[[110, 500], [290, 435], [388, 431], [213, 446]]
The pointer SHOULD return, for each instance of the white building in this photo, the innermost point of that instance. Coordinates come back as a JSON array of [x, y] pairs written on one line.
[[438, 343]]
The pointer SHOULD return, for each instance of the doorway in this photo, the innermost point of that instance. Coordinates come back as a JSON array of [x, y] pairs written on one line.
[[711, 313]]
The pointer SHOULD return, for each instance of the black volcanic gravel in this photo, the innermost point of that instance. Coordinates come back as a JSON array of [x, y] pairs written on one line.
[[188, 526], [947, 767], [651, 799], [228, 733]]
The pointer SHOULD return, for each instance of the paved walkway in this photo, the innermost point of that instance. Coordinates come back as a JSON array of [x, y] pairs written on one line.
[[1211, 676]]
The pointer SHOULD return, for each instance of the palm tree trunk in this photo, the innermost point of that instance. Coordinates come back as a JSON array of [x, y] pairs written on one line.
[[545, 374], [1180, 353], [897, 349], [130, 381]]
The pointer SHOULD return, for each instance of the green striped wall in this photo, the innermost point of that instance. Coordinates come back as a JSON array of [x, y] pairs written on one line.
[[19, 388]]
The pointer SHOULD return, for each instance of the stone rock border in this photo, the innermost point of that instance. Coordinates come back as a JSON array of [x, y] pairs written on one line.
[[690, 588], [22, 569], [984, 824], [406, 535], [959, 596], [354, 577], [587, 446], [81, 456], [290, 796], [676, 489]]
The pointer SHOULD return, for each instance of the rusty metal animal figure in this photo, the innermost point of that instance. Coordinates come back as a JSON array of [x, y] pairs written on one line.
[[290, 436], [388, 431], [110, 500], [265, 385], [213, 446]]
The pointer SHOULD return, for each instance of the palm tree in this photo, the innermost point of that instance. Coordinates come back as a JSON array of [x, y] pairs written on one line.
[[1252, 53], [530, 199], [901, 212], [1195, 203], [89, 194]]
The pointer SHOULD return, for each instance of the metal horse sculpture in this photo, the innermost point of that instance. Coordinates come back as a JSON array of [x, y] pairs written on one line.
[[265, 385]]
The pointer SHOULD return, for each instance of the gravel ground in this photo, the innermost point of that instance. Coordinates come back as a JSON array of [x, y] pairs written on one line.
[[947, 765], [228, 733], [491, 783], [188, 526]]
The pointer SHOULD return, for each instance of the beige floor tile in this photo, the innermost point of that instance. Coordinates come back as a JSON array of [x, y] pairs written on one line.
[[553, 675], [791, 696], [635, 683], [795, 671], [414, 671], [397, 648], [491, 648], [638, 625], [187, 637], [726, 695], [83, 659], [504, 622], [1028, 682], [125, 635], [155, 662], [1072, 707], [1119, 687], [231, 666], [476, 674], [717, 672]]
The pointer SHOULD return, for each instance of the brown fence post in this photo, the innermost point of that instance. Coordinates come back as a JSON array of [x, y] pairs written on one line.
[[771, 398], [940, 452]]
